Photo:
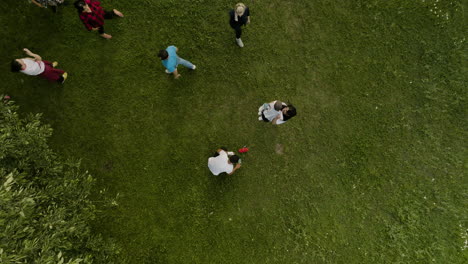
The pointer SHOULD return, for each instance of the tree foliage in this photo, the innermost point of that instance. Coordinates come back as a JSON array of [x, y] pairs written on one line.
[[45, 208]]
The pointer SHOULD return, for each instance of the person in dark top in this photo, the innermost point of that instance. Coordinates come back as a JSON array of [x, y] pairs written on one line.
[[92, 15], [238, 17]]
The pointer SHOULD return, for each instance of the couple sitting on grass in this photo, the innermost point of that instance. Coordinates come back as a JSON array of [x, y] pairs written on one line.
[[276, 112]]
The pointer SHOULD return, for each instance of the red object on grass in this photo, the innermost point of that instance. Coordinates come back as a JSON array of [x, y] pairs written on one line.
[[243, 150]]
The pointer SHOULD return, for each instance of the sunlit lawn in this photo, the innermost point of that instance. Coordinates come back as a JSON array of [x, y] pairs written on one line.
[[370, 171]]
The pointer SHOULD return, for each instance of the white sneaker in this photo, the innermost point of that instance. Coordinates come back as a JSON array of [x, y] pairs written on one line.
[[167, 72], [260, 118], [260, 110], [239, 42], [194, 67]]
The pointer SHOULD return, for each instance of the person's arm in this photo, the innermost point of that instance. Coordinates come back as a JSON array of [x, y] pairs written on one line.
[[235, 168], [176, 74], [37, 3], [35, 56], [275, 120], [174, 47], [278, 120]]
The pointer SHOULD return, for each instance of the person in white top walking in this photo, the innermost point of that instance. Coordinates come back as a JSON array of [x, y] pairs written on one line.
[[37, 67], [223, 162]]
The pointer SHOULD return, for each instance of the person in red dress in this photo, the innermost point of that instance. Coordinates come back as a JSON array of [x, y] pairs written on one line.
[[92, 14]]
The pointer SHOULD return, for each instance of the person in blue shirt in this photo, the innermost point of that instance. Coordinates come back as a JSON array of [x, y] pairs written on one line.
[[170, 60]]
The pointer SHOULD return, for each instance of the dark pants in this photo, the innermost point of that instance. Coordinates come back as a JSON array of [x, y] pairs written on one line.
[[50, 73], [217, 154], [237, 28], [264, 118], [107, 15]]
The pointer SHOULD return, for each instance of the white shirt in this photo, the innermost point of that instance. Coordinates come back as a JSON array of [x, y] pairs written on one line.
[[33, 67], [271, 113], [220, 164]]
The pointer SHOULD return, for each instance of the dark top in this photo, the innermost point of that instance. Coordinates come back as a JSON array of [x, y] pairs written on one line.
[[285, 117], [242, 20]]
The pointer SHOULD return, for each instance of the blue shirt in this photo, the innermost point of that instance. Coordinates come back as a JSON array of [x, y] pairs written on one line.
[[171, 62]]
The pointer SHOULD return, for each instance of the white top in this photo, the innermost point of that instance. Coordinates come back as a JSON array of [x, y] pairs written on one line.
[[271, 113], [220, 164], [33, 67]]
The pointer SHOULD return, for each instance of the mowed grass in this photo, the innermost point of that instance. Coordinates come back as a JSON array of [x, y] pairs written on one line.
[[373, 168]]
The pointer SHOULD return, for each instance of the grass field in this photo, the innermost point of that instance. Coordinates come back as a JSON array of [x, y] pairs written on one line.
[[373, 168]]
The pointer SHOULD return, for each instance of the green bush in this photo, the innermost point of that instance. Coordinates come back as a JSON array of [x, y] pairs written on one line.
[[45, 209]]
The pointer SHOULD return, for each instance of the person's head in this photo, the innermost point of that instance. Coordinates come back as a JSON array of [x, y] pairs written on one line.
[[278, 105], [289, 111], [16, 66], [163, 54], [80, 5], [239, 9], [234, 159]]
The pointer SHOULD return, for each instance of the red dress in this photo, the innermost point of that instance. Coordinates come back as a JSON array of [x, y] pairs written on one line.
[[95, 19]]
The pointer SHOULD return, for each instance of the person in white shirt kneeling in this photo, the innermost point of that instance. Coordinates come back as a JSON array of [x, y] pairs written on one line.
[[224, 161]]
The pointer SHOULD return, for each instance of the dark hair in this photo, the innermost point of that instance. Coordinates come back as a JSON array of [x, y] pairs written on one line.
[[79, 5], [290, 113], [234, 159], [16, 66], [163, 54]]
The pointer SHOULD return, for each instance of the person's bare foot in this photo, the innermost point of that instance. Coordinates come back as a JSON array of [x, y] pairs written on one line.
[[117, 12], [106, 36]]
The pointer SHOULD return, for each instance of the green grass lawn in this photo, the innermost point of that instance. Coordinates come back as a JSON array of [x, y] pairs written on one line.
[[373, 168]]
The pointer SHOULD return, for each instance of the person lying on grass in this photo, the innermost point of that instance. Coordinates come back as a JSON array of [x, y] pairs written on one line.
[[170, 60], [37, 67], [223, 162], [276, 112], [92, 15]]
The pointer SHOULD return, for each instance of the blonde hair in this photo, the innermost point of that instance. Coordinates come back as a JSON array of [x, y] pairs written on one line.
[[239, 5]]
